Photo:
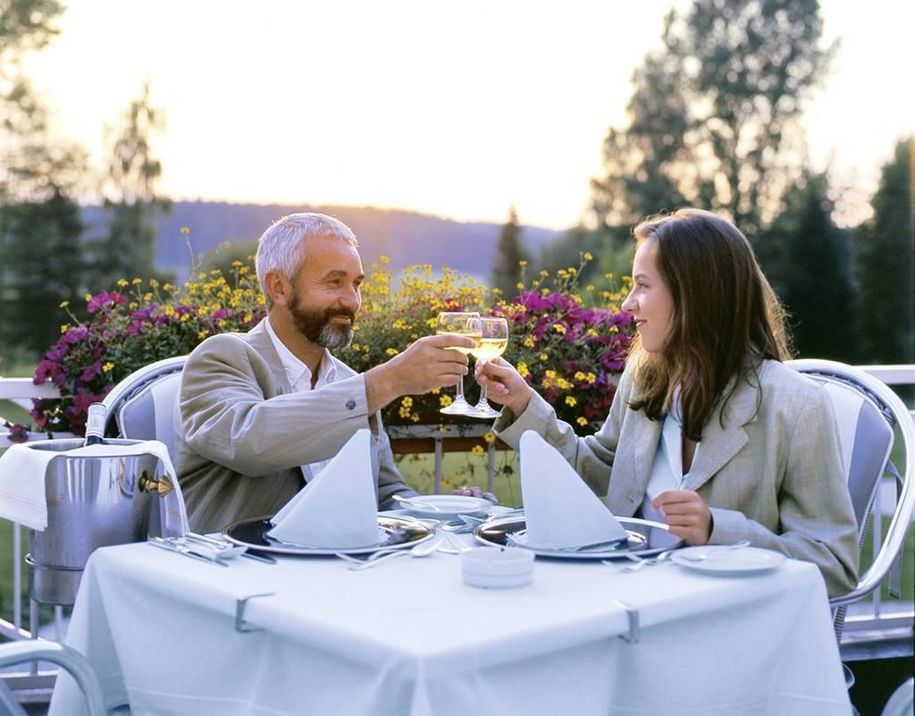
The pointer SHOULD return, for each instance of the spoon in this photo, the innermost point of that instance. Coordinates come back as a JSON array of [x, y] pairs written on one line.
[[423, 549]]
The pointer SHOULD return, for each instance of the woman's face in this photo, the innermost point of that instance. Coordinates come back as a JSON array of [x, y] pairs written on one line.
[[650, 302]]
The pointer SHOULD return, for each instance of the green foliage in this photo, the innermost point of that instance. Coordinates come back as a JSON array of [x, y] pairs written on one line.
[[807, 259], [510, 259], [611, 247], [43, 252], [713, 117], [884, 266], [129, 246]]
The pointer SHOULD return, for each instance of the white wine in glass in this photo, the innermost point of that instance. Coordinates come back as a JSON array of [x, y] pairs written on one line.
[[462, 323], [493, 343]]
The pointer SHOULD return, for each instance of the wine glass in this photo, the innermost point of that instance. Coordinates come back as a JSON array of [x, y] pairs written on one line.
[[464, 323], [494, 341]]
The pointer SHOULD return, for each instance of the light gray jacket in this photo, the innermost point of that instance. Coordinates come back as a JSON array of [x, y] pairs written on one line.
[[772, 474], [241, 434]]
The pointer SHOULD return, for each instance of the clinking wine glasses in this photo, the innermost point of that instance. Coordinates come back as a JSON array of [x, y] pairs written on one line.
[[465, 323], [493, 342]]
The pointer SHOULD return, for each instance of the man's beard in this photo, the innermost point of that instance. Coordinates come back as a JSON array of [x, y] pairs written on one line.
[[316, 325]]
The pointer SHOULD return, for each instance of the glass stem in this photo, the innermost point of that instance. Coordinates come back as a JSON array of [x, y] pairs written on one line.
[[482, 401], [459, 398]]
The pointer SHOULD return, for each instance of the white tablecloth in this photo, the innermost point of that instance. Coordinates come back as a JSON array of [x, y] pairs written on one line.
[[409, 638]]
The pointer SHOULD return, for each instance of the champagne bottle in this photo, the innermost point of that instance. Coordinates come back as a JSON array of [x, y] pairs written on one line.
[[95, 424]]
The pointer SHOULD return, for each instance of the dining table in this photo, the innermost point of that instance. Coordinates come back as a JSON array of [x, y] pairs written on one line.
[[309, 635]]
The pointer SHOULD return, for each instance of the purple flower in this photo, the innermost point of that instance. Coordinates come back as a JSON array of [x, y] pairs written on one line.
[[18, 433], [91, 371]]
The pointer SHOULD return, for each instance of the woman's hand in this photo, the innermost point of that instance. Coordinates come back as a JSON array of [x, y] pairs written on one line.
[[686, 513], [504, 385]]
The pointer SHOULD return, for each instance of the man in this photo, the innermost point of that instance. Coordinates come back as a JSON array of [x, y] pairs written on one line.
[[260, 413]]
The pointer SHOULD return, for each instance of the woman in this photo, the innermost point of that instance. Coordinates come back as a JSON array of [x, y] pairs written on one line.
[[708, 430]]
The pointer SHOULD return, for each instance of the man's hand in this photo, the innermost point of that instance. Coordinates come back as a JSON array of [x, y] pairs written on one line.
[[504, 385], [424, 365], [474, 491], [686, 513]]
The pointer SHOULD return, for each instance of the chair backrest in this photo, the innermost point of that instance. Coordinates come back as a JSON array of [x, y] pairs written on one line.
[[870, 416], [143, 403], [20, 652]]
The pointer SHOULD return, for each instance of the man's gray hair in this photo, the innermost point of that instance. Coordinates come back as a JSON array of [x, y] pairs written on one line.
[[281, 247]]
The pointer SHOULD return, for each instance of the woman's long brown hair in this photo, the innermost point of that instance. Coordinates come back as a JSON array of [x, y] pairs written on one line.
[[726, 318]]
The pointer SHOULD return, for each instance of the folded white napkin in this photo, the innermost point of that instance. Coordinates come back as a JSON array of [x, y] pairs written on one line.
[[560, 510], [22, 481], [338, 508]]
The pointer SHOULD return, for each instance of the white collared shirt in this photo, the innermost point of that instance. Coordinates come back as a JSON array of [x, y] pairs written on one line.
[[299, 376], [667, 471]]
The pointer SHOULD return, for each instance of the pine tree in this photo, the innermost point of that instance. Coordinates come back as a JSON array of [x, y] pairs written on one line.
[[884, 266], [807, 259], [508, 271]]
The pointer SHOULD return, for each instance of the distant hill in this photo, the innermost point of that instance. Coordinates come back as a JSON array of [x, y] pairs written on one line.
[[405, 237]]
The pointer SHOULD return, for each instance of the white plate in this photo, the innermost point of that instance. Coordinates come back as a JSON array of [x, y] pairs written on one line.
[[402, 533], [447, 507], [646, 539], [724, 560]]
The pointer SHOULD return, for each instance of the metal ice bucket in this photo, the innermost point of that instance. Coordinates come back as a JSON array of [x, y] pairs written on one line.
[[92, 502]]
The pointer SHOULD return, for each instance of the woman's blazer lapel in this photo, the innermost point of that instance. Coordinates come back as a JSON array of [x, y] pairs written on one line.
[[723, 438]]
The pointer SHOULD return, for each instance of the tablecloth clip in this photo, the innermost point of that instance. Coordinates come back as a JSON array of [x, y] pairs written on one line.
[[240, 624], [633, 635]]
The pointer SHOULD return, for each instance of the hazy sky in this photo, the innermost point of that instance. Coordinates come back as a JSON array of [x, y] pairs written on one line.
[[460, 109]]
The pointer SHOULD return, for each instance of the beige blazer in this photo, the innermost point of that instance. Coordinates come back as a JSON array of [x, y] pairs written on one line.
[[769, 467], [241, 433]]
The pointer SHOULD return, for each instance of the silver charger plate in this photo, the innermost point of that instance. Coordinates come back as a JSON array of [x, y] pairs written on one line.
[[401, 533], [646, 538]]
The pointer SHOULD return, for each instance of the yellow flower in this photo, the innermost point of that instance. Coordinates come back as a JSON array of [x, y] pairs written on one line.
[[587, 256], [543, 357], [137, 281], [477, 450], [570, 401], [64, 304], [559, 328], [529, 341], [107, 367], [581, 421], [122, 282], [579, 376], [523, 369], [202, 334], [391, 351], [444, 400], [185, 230], [489, 437], [407, 401], [64, 327]]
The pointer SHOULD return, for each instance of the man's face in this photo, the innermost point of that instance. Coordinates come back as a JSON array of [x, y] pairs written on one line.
[[326, 292]]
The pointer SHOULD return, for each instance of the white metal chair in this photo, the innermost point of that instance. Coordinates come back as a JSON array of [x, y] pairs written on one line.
[[143, 403], [80, 669], [871, 419]]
